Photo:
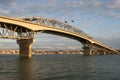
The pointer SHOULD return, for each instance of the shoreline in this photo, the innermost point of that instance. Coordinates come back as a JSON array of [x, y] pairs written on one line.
[[43, 52]]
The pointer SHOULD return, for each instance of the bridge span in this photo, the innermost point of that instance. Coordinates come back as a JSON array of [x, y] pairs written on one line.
[[24, 30]]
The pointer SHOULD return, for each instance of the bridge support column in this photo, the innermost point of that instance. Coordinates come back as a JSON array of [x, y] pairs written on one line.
[[87, 51], [101, 52], [108, 53], [25, 46]]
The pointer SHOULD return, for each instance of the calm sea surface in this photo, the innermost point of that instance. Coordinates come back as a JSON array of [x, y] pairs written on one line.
[[60, 67]]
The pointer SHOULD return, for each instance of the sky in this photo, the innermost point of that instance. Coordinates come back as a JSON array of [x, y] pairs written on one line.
[[100, 19]]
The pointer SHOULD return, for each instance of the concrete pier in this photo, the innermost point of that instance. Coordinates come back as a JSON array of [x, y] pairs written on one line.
[[102, 52], [25, 47], [108, 53], [87, 51]]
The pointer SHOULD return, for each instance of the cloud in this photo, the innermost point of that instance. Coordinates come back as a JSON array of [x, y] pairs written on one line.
[[114, 4], [13, 5], [66, 10], [4, 12], [6, 2], [111, 42], [74, 3], [62, 7], [97, 3], [105, 8], [82, 4], [6, 6]]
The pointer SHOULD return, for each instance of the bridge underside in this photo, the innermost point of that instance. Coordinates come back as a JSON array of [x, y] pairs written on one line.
[[25, 49], [25, 39], [12, 31]]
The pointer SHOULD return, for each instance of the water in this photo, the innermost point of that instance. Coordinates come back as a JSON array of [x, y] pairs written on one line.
[[60, 67]]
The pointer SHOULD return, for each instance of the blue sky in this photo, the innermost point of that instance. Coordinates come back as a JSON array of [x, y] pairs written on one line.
[[98, 18]]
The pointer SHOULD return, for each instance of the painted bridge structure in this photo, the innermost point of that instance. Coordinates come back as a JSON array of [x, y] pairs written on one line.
[[24, 30]]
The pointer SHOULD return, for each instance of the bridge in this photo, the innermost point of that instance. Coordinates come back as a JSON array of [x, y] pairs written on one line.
[[24, 30]]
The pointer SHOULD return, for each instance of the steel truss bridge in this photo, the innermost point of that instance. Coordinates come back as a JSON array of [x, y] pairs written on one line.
[[24, 30]]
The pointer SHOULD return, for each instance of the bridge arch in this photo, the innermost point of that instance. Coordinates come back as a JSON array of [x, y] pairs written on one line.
[[20, 26], [27, 26]]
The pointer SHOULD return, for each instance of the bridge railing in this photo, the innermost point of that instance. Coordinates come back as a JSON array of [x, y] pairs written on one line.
[[56, 24]]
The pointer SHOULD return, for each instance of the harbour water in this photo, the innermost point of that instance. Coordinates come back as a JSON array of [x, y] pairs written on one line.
[[60, 67]]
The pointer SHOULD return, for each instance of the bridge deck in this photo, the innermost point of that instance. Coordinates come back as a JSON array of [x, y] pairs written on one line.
[[52, 25]]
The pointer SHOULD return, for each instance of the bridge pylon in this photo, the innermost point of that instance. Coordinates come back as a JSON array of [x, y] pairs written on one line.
[[25, 47], [87, 50], [102, 52]]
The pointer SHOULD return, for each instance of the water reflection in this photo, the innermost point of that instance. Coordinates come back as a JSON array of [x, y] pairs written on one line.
[[60, 67], [25, 69]]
